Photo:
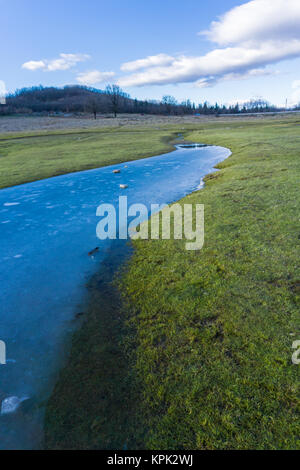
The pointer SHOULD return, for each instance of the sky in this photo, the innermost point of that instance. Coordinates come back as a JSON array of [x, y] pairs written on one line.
[[223, 51]]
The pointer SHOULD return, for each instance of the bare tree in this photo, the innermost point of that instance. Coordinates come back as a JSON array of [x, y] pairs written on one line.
[[93, 106], [115, 94], [169, 103]]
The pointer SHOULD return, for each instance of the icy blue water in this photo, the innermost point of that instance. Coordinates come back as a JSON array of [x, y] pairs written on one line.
[[47, 229]]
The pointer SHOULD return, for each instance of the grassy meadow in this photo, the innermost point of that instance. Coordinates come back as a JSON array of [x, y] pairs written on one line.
[[186, 350], [213, 329], [30, 157]]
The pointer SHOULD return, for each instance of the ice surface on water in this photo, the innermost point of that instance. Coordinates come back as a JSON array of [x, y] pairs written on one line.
[[44, 263]]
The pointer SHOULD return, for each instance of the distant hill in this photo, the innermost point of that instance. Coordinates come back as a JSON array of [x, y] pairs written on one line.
[[82, 99], [69, 99]]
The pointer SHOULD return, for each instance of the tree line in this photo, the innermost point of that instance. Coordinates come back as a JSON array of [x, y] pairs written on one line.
[[83, 99]]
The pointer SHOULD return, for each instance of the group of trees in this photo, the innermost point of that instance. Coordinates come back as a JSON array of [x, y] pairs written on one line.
[[112, 99], [69, 99], [82, 99], [252, 106]]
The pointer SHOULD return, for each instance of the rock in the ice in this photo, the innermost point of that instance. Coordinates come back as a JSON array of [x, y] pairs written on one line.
[[11, 404]]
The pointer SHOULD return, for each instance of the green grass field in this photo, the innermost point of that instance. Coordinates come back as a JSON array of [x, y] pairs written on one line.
[[214, 328], [196, 354], [25, 158]]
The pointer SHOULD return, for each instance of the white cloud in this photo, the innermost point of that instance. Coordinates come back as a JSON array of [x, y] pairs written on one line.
[[64, 62], [150, 61], [251, 36], [257, 20], [217, 64], [211, 81], [94, 77], [34, 65]]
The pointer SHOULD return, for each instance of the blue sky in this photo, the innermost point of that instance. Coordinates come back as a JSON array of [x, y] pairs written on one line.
[[250, 52]]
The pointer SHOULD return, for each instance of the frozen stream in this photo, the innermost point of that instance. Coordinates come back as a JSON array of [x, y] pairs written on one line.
[[47, 229]]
